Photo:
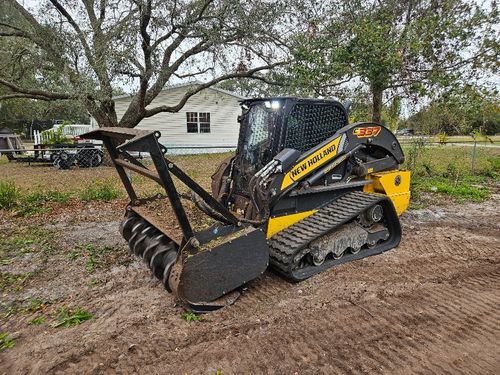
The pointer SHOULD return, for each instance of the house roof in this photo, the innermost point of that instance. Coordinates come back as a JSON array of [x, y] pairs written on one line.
[[187, 84]]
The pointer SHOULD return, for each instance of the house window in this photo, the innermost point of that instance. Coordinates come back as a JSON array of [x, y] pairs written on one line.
[[198, 122], [192, 122]]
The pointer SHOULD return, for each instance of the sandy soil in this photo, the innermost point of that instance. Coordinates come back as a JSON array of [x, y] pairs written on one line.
[[430, 306]]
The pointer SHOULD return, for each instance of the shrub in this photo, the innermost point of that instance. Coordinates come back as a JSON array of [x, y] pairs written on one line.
[[56, 136], [9, 195]]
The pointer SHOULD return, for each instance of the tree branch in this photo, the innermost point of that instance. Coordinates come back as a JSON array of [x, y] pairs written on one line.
[[25, 96], [250, 73], [188, 75], [34, 94], [99, 67]]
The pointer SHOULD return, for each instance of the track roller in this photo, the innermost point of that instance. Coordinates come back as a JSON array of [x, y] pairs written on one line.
[[169, 262]]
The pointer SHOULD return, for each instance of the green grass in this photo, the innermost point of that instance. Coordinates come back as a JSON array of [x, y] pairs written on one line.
[[447, 171], [68, 318], [13, 282], [48, 196], [190, 316], [36, 304], [460, 191], [35, 203], [27, 306], [23, 240], [36, 320], [93, 282], [99, 192], [29, 204], [95, 256], [6, 341], [75, 253], [9, 195]]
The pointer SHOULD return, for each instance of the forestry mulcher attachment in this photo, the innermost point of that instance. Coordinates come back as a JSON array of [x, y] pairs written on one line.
[[304, 192]]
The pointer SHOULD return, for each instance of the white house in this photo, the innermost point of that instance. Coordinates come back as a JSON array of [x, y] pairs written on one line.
[[206, 123]]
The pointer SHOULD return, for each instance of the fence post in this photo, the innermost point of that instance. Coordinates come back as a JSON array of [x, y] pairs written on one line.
[[474, 156]]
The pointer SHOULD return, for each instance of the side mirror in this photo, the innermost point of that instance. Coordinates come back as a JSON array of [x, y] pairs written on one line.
[[347, 105]]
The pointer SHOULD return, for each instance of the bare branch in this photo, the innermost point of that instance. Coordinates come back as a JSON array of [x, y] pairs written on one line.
[[188, 75], [198, 88]]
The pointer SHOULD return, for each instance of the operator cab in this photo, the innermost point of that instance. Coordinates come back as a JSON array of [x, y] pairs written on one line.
[[269, 125]]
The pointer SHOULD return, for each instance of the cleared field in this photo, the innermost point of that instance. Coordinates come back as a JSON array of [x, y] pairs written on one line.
[[73, 300]]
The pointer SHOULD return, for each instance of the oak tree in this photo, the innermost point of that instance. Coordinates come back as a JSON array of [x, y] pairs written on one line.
[[393, 47], [83, 49]]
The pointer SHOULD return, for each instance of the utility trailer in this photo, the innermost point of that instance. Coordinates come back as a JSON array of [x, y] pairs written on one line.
[[61, 155]]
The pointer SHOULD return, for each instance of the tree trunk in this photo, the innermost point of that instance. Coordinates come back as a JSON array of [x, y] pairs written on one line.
[[103, 112], [377, 94]]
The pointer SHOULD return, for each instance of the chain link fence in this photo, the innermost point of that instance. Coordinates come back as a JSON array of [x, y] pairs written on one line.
[[80, 157]]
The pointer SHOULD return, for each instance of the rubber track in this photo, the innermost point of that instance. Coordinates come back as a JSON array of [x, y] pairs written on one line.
[[285, 245]]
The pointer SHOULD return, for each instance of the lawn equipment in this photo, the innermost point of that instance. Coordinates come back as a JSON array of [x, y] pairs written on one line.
[[305, 191]]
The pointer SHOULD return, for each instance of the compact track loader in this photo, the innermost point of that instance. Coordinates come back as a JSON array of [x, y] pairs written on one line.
[[305, 191]]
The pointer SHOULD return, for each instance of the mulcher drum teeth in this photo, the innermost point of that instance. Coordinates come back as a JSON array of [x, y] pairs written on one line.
[[208, 275], [155, 248]]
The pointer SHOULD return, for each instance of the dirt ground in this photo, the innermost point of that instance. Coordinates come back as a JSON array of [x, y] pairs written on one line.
[[430, 306]]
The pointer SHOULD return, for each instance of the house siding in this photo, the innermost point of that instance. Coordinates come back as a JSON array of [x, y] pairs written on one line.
[[224, 110]]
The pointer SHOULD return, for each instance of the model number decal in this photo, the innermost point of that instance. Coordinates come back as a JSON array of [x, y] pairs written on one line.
[[370, 131]]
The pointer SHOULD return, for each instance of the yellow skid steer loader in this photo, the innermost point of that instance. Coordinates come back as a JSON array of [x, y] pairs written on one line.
[[305, 191]]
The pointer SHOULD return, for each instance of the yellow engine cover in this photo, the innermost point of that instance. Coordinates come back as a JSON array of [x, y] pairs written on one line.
[[394, 184]]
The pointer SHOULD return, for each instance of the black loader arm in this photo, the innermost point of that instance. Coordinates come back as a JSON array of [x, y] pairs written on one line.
[[369, 147]]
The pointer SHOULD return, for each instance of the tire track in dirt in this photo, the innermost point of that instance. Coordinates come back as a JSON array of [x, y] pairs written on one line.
[[432, 306], [393, 351], [454, 316], [389, 353]]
